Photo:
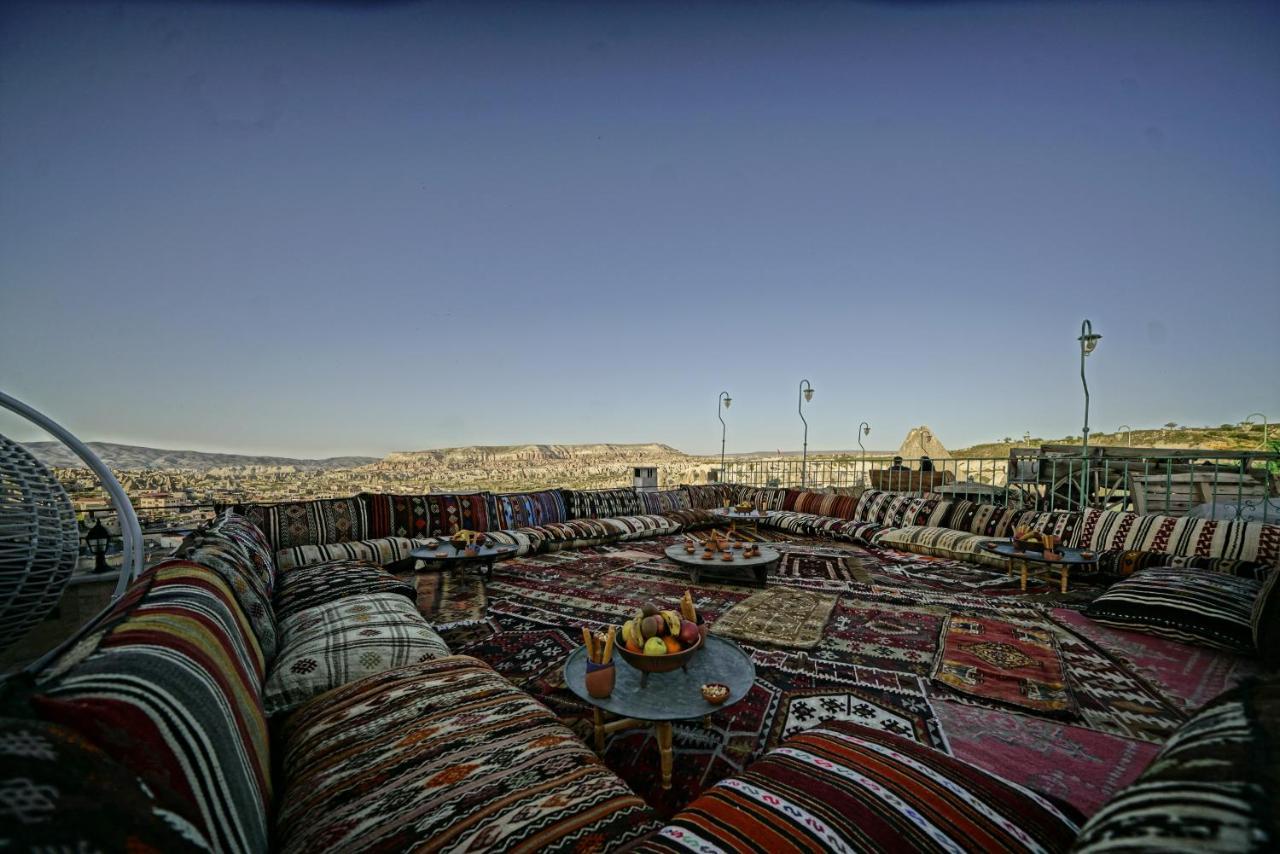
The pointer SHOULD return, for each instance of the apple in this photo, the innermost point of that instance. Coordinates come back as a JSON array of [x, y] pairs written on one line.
[[652, 626], [688, 632], [655, 646]]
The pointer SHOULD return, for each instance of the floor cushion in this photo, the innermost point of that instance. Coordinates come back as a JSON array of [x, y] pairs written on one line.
[[300, 523], [845, 787], [521, 509], [1213, 786], [692, 520], [845, 529], [940, 542], [990, 520], [1103, 530], [1119, 562], [771, 497], [52, 787], [576, 533], [642, 527], [225, 557], [792, 521], [1189, 605], [601, 503], [176, 640], [345, 640], [433, 514], [249, 538], [820, 504], [709, 496], [310, 586], [523, 539], [663, 500], [381, 550], [446, 752]]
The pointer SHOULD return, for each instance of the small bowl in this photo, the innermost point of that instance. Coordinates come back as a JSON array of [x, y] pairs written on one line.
[[728, 557], [707, 556], [1088, 555], [715, 693]]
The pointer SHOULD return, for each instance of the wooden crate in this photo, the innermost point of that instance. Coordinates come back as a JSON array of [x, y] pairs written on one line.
[[907, 480]]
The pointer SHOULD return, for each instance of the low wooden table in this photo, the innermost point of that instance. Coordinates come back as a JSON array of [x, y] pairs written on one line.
[[750, 517], [1022, 561], [758, 565], [448, 557], [673, 696]]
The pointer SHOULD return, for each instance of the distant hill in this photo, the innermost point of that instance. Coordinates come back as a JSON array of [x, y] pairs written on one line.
[[1227, 437], [136, 458], [532, 454]]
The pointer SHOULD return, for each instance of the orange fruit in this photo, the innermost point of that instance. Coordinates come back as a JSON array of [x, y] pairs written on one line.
[[673, 645], [634, 647]]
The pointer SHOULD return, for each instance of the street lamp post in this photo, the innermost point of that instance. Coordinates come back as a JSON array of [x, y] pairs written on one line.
[[1249, 420], [806, 395], [1088, 342], [98, 538], [725, 400], [1128, 435], [864, 429]]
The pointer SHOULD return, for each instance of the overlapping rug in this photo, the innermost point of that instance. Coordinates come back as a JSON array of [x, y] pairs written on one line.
[[872, 661]]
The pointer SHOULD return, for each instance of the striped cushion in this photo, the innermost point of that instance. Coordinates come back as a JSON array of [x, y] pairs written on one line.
[[299, 523], [1060, 523], [346, 640], [524, 541], [641, 527], [321, 583], [709, 496], [522, 509], [224, 557], [990, 520], [664, 500], [796, 523], [601, 503], [844, 787], [940, 542], [844, 529], [1103, 530], [1214, 786], [249, 538], [1190, 605], [175, 669], [382, 551], [689, 520], [573, 534], [909, 510], [772, 498], [820, 504], [446, 756]]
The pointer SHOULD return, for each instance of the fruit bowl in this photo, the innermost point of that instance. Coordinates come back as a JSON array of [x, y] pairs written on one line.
[[659, 663]]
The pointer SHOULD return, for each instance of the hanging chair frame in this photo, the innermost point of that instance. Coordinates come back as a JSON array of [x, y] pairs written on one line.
[[130, 529]]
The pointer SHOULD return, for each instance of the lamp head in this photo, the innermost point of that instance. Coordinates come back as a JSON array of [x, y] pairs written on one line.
[[866, 429], [97, 537], [727, 400], [808, 394], [1088, 340]]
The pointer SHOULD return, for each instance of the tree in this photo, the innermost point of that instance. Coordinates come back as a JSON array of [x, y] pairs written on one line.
[[1172, 425]]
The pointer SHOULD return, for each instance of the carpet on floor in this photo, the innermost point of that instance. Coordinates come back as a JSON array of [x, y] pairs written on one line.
[[1003, 663], [779, 616]]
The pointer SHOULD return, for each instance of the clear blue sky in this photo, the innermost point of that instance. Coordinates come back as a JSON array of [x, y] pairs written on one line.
[[311, 229]]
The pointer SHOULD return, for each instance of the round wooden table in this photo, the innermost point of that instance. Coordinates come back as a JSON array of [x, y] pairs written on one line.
[[672, 696], [1022, 561], [758, 565], [750, 517], [448, 557]]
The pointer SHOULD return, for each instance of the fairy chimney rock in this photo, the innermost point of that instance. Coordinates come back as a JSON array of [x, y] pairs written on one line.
[[921, 441]]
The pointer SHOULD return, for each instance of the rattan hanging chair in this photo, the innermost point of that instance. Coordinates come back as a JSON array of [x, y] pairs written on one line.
[[39, 534]]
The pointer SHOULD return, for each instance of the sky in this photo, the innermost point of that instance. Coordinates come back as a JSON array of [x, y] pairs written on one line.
[[313, 229]]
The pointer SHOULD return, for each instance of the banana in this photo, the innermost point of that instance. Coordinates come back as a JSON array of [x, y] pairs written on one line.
[[673, 622]]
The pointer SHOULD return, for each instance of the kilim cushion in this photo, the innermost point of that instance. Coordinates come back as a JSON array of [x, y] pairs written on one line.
[[690, 520], [174, 667], [575, 533], [301, 523], [1264, 620], [525, 541], [773, 499], [641, 527], [436, 514], [845, 787], [446, 755], [225, 557], [845, 529], [1189, 605], [249, 538], [990, 520], [708, 496], [908, 510], [1103, 530], [1212, 787], [664, 501], [1060, 523], [321, 583], [58, 792], [346, 640], [601, 503], [523, 509], [382, 551], [820, 504], [788, 520], [1129, 561], [940, 542]]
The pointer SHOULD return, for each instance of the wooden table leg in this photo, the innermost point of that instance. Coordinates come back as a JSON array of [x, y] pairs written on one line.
[[1065, 570], [599, 731], [1024, 575], [663, 731]]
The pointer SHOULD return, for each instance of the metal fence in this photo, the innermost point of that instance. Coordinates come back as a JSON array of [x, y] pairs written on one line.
[[1195, 483]]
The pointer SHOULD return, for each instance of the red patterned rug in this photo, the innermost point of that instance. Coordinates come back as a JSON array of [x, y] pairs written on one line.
[[1001, 662]]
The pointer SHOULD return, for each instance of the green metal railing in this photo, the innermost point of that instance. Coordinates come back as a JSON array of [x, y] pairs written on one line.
[[1223, 485]]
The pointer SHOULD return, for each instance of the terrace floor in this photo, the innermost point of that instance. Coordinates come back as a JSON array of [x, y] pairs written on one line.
[[874, 662]]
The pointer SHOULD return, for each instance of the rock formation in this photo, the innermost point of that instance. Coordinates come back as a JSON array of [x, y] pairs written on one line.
[[921, 441]]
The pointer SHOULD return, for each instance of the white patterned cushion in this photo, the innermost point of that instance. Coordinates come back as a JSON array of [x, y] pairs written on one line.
[[940, 542]]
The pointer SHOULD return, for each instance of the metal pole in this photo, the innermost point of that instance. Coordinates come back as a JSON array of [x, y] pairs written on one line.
[[804, 454], [1088, 341], [864, 429], [722, 400]]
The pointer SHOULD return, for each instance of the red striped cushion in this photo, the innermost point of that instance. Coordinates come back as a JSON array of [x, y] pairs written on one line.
[[820, 504], [842, 786]]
